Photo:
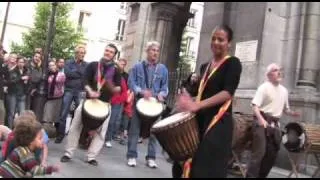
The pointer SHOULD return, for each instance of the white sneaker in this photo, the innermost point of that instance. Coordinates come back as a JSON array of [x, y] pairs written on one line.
[[151, 163], [132, 162], [108, 144]]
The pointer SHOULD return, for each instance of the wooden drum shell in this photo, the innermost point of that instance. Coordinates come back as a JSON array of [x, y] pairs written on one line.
[[180, 140]]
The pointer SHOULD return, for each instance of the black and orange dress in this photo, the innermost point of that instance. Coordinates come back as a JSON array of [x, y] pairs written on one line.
[[215, 123]]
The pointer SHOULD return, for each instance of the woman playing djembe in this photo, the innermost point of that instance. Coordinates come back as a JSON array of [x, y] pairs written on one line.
[[213, 107]]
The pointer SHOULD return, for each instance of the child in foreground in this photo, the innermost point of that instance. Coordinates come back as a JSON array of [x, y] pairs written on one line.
[[22, 162], [9, 144]]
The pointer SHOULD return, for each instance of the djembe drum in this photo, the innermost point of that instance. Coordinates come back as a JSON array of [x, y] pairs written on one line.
[[299, 137], [178, 135], [148, 110], [94, 113]]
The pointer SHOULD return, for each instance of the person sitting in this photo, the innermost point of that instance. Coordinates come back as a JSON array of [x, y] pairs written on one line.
[[9, 144], [22, 161]]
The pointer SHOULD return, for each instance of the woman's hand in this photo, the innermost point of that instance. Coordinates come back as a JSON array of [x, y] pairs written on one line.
[[186, 103]]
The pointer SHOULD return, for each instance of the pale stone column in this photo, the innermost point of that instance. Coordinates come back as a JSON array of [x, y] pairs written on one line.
[[163, 33], [310, 48], [292, 44]]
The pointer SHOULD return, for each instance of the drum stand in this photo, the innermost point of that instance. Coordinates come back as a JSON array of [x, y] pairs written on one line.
[[295, 158]]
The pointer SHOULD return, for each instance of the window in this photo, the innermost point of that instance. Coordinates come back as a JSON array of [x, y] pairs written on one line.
[[191, 22], [121, 26], [135, 9], [118, 55], [189, 51], [82, 22]]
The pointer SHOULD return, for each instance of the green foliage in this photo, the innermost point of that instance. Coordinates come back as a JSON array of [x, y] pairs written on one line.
[[66, 36], [183, 64]]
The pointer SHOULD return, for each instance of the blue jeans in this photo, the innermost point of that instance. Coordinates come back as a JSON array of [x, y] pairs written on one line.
[[115, 120], [133, 137], [68, 97], [124, 122], [16, 103]]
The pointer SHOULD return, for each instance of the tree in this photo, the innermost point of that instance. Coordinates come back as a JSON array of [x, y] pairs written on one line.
[[183, 64], [65, 38]]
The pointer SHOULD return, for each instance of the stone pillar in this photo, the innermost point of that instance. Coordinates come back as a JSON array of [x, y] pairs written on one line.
[[292, 43], [170, 20], [310, 48], [213, 15], [164, 32]]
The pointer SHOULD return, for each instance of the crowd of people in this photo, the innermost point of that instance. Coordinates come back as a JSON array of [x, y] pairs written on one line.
[[27, 89]]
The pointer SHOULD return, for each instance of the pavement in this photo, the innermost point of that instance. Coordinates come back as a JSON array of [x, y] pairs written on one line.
[[112, 164]]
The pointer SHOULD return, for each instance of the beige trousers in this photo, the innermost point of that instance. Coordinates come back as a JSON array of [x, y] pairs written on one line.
[[75, 131]]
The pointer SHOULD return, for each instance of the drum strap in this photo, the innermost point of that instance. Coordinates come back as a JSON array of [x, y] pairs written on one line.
[[215, 119]]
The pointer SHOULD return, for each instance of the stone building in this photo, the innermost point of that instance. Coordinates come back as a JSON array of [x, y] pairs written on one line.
[[159, 21], [102, 23]]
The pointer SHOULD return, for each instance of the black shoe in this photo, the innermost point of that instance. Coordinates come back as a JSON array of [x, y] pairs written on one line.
[[59, 139], [65, 159], [93, 162]]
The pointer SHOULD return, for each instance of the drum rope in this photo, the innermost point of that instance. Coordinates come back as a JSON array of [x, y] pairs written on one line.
[[187, 165]]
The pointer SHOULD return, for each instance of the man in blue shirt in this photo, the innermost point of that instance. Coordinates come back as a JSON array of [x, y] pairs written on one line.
[[157, 86], [74, 70]]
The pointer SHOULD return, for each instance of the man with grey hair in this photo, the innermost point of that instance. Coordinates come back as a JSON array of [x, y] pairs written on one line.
[[74, 70], [268, 104], [148, 78]]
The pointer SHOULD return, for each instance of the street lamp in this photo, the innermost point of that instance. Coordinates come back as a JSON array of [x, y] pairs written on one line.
[[5, 23], [47, 49]]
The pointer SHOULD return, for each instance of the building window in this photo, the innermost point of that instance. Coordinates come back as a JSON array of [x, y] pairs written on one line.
[[121, 26], [118, 56], [191, 21], [135, 9], [189, 50], [82, 21], [123, 5]]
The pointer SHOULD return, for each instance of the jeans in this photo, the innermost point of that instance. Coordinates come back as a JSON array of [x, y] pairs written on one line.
[[2, 111], [68, 97], [15, 102], [133, 137], [124, 122], [115, 120]]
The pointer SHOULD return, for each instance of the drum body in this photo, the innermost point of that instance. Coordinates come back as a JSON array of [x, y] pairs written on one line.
[[242, 130], [148, 111], [178, 135], [299, 137], [94, 113]]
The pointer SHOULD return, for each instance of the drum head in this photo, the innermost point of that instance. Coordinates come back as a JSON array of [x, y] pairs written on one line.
[[294, 137], [171, 120], [149, 107], [96, 108]]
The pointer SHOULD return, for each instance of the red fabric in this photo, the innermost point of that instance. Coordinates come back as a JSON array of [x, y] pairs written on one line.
[[120, 98], [128, 106], [5, 145]]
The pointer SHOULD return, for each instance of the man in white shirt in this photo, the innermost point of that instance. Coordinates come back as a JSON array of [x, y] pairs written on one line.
[[268, 104]]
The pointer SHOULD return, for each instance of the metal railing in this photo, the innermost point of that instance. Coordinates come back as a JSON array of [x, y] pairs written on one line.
[[175, 80]]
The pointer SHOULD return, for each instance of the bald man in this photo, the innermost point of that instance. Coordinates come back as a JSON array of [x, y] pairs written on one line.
[[268, 104]]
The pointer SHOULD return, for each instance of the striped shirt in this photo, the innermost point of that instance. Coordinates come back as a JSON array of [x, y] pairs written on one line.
[[22, 163]]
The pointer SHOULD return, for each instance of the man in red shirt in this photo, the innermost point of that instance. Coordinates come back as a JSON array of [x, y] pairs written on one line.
[[117, 102]]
